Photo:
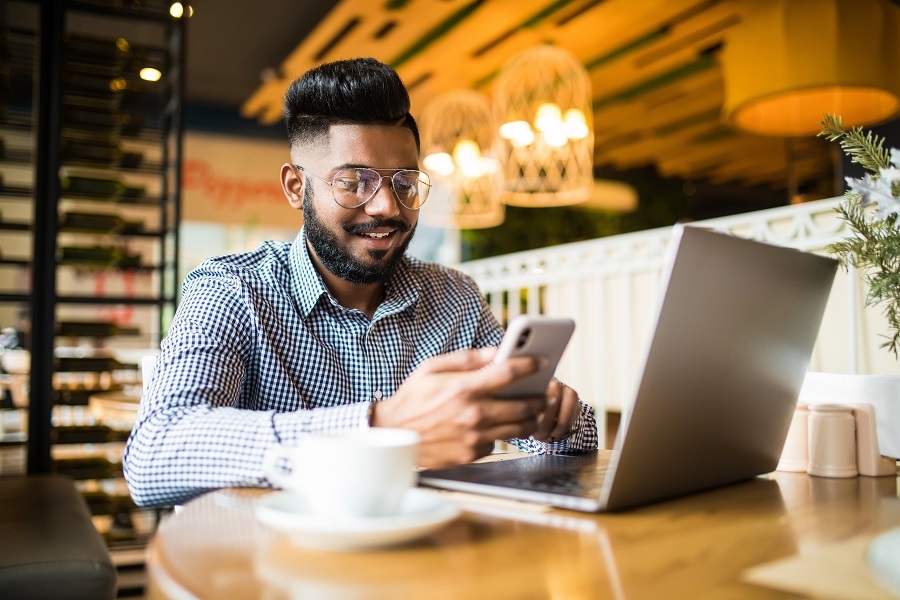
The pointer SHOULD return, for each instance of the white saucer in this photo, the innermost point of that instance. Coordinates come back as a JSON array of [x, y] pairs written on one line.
[[421, 512], [884, 559]]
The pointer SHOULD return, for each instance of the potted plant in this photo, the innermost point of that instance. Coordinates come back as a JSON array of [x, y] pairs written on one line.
[[871, 209]]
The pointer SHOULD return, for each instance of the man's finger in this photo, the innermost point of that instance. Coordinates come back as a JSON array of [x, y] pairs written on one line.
[[461, 360], [569, 411], [496, 375], [550, 416]]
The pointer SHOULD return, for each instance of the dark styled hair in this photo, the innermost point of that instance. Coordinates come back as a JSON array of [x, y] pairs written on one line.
[[360, 91]]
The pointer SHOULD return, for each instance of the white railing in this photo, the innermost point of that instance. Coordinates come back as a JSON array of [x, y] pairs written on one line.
[[610, 286]]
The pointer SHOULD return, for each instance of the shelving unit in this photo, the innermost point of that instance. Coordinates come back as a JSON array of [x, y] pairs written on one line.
[[90, 168]]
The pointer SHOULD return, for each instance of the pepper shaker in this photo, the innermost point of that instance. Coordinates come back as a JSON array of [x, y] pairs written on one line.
[[832, 441]]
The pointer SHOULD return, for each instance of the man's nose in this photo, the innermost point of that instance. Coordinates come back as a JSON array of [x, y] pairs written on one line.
[[384, 202]]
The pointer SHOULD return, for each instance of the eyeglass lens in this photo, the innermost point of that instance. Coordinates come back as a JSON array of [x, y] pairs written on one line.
[[353, 187]]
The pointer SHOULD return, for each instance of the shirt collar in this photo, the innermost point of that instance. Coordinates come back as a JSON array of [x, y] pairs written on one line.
[[401, 291]]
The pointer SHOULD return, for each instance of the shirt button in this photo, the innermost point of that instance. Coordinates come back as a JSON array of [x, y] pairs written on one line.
[[378, 394]]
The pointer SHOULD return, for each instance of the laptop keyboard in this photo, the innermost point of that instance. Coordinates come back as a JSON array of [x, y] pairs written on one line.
[[566, 481]]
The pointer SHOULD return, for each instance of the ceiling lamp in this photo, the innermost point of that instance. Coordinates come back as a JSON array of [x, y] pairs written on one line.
[[790, 61], [459, 146], [543, 99], [612, 196]]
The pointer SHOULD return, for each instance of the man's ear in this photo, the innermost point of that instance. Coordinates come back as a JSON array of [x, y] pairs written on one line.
[[292, 183]]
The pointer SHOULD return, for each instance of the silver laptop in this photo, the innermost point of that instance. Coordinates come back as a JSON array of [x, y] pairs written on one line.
[[733, 338]]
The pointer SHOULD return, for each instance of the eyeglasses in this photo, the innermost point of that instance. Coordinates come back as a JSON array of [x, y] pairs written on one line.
[[354, 186]]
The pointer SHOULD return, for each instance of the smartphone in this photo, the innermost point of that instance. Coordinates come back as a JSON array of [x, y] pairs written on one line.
[[529, 335]]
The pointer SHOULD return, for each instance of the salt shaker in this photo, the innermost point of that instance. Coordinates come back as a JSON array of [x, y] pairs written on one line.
[[832, 441]]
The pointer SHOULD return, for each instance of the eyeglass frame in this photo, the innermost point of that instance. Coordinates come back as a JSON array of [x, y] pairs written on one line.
[[377, 188]]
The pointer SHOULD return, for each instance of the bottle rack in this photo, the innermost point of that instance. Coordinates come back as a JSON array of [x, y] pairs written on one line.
[[90, 157]]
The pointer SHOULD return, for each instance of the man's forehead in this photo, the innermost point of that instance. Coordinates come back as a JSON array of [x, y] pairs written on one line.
[[338, 131], [353, 138]]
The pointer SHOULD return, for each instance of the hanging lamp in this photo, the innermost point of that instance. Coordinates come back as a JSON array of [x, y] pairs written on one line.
[[459, 149], [543, 101], [790, 61]]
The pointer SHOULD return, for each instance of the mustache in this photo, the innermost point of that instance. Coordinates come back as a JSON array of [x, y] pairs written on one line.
[[401, 226]]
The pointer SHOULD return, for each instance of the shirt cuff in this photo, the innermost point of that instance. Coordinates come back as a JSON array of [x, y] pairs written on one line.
[[289, 427]]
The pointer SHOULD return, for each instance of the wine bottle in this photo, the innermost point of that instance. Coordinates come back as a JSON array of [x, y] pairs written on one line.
[[96, 154], [95, 364], [98, 502], [91, 121], [98, 256], [96, 50], [80, 396], [95, 187], [131, 125], [98, 223], [89, 467], [91, 256], [98, 329], [130, 160], [99, 188], [90, 222], [81, 434]]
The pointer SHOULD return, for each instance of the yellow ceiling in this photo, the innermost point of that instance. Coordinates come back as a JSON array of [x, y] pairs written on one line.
[[654, 68]]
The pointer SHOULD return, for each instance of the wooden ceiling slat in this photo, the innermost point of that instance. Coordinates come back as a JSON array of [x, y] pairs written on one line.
[[692, 157], [804, 171], [615, 23], [453, 58], [740, 164], [677, 47], [646, 148], [413, 21], [700, 93], [363, 40], [703, 29], [653, 64]]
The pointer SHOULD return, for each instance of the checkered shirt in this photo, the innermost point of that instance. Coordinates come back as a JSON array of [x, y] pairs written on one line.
[[259, 353]]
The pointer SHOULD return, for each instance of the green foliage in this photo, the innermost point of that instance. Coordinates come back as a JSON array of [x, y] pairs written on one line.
[[864, 149], [874, 244]]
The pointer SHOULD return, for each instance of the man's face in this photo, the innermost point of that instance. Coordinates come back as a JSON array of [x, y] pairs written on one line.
[[361, 245]]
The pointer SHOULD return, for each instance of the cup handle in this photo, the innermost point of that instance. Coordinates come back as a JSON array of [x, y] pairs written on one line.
[[272, 471]]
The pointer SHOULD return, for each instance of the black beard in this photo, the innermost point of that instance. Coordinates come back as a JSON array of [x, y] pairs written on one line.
[[338, 260]]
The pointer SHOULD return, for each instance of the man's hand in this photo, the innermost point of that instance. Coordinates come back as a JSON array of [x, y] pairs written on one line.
[[562, 412], [450, 401]]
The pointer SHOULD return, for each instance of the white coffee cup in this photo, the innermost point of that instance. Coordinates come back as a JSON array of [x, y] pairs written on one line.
[[353, 475]]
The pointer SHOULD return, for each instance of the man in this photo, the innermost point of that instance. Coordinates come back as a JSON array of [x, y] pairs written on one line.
[[339, 330]]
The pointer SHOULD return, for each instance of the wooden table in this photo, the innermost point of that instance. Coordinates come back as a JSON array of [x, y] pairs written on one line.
[[693, 547], [115, 409]]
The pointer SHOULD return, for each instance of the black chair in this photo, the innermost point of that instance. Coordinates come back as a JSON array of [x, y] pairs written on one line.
[[49, 548]]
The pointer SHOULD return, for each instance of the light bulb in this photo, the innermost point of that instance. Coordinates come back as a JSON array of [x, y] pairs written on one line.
[[466, 151], [177, 10], [548, 117], [150, 74], [514, 129], [467, 155], [490, 165], [519, 133], [574, 125], [440, 163], [555, 137]]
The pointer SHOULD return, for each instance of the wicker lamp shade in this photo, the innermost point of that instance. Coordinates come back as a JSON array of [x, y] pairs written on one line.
[[543, 102], [459, 148]]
